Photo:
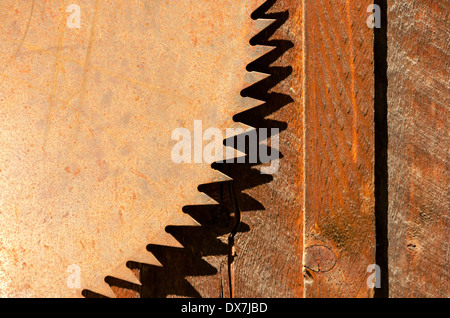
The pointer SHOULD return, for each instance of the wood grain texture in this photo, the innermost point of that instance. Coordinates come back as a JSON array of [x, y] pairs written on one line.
[[419, 99], [339, 149], [269, 256]]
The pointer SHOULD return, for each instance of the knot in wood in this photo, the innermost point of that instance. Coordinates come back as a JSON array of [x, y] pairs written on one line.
[[320, 258]]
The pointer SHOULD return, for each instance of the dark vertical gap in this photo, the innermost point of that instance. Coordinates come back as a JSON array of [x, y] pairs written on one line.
[[381, 151]]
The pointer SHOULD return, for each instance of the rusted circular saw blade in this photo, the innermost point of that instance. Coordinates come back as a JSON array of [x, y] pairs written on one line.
[[86, 176]]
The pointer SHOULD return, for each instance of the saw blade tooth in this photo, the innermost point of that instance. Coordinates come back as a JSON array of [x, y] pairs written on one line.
[[124, 273], [238, 128], [207, 175], [202, 198], [103, 289], [207, 200], [231, 154], [243, 104], [212, 175], [261, 24], [257, 51], [146, 258], [249, 103], [186, 220], [220, 177], [167, 239], [252, 78]]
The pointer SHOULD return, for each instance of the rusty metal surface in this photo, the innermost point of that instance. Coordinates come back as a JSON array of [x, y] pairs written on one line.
[[86, 175]]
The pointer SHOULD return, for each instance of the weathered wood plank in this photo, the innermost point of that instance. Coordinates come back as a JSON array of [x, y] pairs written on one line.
[[419, 99], [269, 256], [339, 226]]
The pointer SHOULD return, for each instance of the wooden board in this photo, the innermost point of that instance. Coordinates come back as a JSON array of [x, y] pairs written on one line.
[[418, 101], [339, 149], [330, 138], [269, 255]]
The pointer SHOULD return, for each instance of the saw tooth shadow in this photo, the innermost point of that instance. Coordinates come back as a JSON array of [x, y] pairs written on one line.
[[218, 221]]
